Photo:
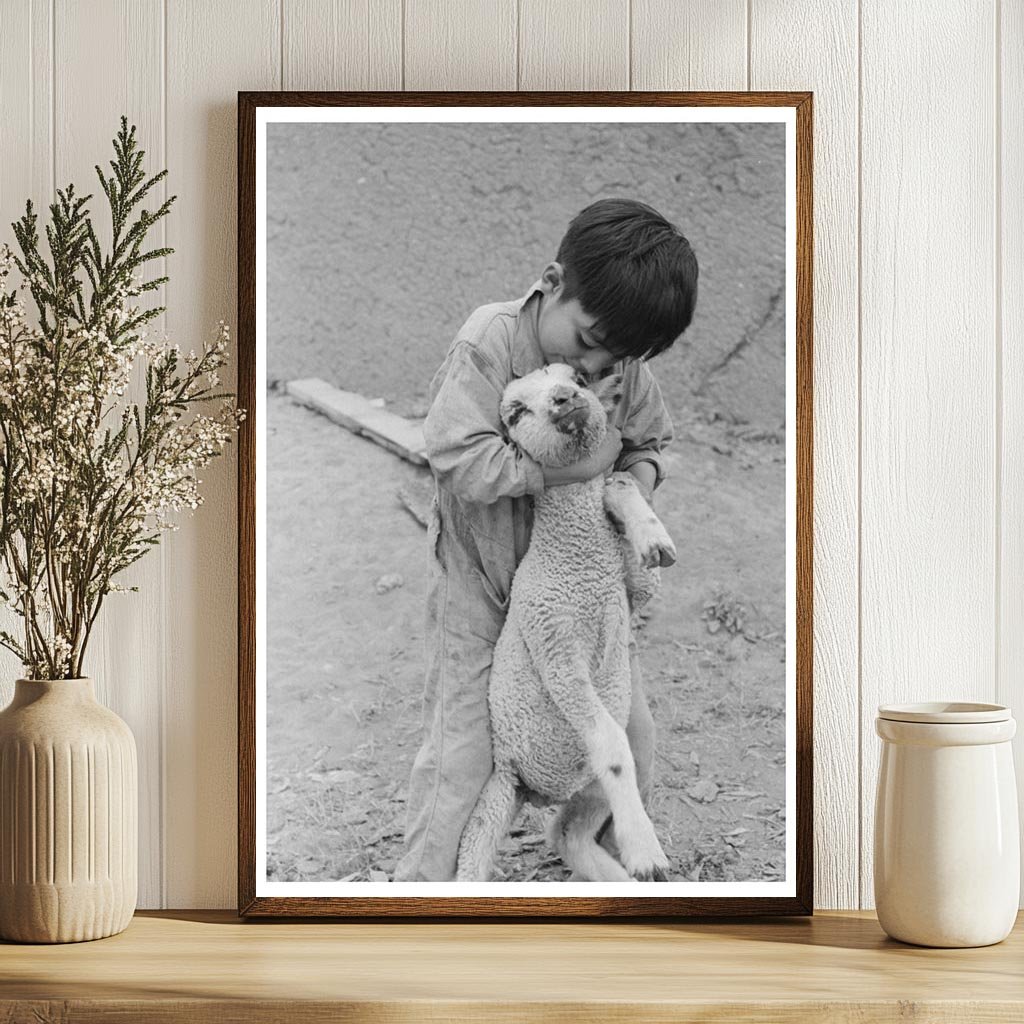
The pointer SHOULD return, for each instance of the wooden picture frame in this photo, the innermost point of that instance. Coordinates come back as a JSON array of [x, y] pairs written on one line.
[[795, 894]]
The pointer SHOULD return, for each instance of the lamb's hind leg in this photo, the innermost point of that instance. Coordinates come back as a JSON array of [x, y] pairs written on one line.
[[489, 823], [639, 850], [574, 834], [566, 678]]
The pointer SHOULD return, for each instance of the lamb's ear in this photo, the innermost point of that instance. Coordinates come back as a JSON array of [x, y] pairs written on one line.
[[608, 391], [512, 412]]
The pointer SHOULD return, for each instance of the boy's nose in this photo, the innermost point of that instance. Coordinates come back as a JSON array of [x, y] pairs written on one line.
[[594, 362]]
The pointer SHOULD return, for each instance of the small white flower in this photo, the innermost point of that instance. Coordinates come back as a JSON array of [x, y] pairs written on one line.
[[106, 504]]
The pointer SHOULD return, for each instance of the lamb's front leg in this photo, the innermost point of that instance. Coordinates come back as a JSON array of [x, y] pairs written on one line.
[[566, 678], [636, 521]]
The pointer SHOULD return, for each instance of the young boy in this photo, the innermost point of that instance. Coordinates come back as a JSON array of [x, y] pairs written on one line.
[[622, 290]]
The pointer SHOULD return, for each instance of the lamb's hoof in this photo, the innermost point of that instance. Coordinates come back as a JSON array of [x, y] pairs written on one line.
[[652, 546], [648, 869], [654, 874], [642, 855]]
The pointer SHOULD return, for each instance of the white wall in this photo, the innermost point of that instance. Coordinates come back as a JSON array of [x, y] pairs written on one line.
[[919, 306]]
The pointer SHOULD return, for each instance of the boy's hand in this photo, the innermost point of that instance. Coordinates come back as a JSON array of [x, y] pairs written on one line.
[[604, 458], [597, 464]]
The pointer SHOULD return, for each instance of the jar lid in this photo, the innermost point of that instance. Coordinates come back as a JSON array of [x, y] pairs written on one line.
[[945, 713]]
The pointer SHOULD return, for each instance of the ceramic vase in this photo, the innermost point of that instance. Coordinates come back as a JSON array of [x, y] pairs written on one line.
[[68, 815], [947, 847]]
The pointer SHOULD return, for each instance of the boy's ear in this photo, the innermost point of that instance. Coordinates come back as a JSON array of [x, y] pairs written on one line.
[[553, 278], [608, 391]]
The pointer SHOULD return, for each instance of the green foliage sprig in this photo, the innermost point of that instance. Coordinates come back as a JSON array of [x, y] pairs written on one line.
[[88, 478]]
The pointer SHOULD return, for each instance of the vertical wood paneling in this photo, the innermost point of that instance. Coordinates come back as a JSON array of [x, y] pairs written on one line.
[[213, 51], [928, 410], [574, 44], [941, 592], [342, 44], [126, 666], [814, 46], [26, 171], [469, 45], [688, 46], [26, 80], [1010, 257]]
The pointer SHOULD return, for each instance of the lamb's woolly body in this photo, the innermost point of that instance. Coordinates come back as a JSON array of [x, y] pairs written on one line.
[[560, 684], [569, 588]]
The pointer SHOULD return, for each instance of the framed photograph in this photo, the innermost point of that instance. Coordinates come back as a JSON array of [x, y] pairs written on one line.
[[525, 493]]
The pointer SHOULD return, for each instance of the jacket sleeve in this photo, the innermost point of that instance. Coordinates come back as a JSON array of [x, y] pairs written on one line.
[[466, 447], [647, 427]]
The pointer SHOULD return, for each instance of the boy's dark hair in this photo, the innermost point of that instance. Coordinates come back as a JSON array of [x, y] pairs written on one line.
[[634, 272]]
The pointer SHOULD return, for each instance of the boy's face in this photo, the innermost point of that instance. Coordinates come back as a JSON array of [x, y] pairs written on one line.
[[565, 332]]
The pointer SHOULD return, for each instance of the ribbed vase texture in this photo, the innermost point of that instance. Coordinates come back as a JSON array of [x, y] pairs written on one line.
[[68, 815]]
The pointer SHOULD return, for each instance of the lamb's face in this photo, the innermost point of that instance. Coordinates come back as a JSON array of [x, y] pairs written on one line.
[[554, 418]]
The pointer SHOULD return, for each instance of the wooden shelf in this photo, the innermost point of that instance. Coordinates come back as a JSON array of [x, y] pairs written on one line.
[[202, 967]]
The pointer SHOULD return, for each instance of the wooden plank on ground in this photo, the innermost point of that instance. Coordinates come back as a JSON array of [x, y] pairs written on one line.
[[357, 414]]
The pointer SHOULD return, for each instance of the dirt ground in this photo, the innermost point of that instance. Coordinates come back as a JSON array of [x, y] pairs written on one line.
[[346, 586]]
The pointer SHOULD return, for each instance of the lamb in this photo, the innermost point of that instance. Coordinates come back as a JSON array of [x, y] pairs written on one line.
[[560, 679]]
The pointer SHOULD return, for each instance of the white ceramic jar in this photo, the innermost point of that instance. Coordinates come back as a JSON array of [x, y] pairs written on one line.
[[947, 847]]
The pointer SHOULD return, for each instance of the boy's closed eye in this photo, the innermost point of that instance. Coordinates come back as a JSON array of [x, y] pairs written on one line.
[[588, 340]]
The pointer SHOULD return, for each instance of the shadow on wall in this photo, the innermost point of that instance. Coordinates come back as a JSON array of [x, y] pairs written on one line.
[[383, 237]]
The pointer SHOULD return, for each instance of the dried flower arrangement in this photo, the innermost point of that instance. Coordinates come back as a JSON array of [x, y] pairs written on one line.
[[87, 477]]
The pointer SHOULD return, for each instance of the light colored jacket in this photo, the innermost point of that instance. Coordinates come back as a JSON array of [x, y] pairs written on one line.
[[485, 484]]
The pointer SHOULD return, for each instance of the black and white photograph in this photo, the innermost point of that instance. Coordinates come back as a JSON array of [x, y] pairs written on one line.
[[525, 502]]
